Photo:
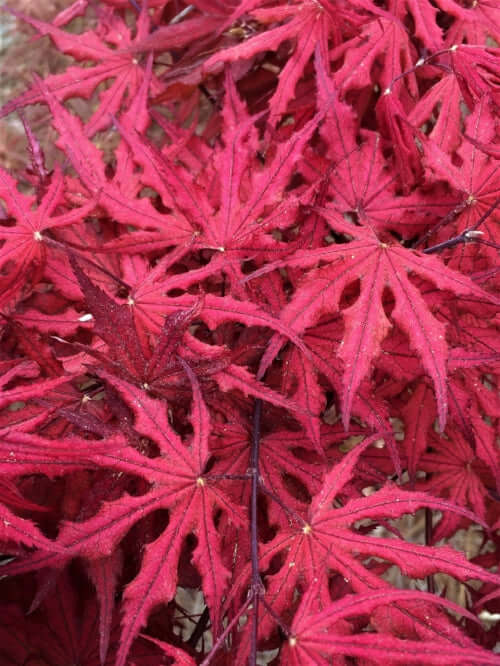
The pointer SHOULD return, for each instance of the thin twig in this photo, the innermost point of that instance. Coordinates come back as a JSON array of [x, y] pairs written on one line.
[[428, 540], [226, 632], [257, 587], [467, 236]]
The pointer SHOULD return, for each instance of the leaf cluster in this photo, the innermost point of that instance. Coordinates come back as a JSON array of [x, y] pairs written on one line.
[[249, 337]]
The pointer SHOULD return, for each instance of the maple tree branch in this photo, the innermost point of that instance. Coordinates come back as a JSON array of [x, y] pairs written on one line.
[[182, 14], [451, 242], [420, 63], [467, 235], [428, 540], [442, 223], [256, 586]]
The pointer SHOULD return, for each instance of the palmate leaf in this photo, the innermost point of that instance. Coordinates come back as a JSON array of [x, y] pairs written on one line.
[[119, 199], [458, 472], [360, 181], [115, 58], [285, 474], [64, 630], [308, 23], [236, 202], [477, 186], [383, 37], [24, 242], [178, 484], [318, 634], [327, 538], [161, 370], [377, 266], [338, 151]]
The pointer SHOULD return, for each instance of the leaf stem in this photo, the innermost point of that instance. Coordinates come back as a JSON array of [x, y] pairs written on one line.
[[282, 505], [70, 249], [286, 630], [226, 632]]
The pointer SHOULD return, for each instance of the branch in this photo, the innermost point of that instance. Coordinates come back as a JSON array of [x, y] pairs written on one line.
[[466, 236], [257, 587]]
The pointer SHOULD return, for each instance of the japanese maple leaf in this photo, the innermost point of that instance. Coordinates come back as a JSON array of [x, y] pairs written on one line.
[[112, 49], [307, 23], [477, 70], [118, 195], [317, 634], [177, 483], [359, 179], [382, 40], [235, 202], [326, 537], [162, 369], [364, 187], [24, 241], [286, 473], [131, 357], [472, 24], [476, 183], [456, 471], [65, 630], [377, 266]]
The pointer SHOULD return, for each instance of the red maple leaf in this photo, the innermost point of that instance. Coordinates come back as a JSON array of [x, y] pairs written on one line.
[[376, 265], [114, 52], [24, 244]]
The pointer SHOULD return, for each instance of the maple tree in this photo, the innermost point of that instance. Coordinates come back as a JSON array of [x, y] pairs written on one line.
[[253, 341]]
